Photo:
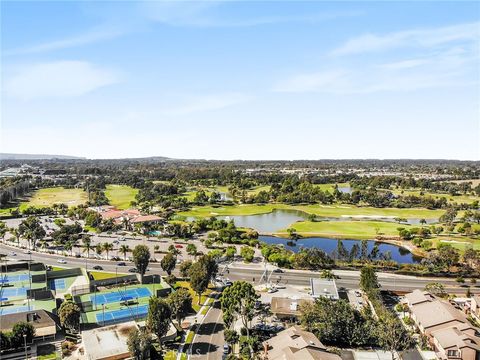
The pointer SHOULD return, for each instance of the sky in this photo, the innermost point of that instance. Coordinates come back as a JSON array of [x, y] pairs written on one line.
[[241, 80]]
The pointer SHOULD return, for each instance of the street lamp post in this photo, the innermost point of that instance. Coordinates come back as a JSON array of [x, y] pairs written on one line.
[[25, 344]]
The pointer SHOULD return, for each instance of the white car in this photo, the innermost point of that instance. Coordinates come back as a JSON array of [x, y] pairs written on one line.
[[28, 252], [61, 261], [13, 253], [272, 290]]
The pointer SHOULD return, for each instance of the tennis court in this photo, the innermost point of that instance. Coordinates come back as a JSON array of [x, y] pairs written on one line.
[[133, 312], [13, 292], [15, 309], [57, 284], [120, 295], [14, 278]]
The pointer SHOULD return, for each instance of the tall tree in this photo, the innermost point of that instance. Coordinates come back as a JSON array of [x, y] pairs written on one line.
[[158, 317], [368, 279], [124, 249], [180, 303], [392, 335], [199, 279], [32, 230], [168, 263], [69, 314], [141, 258], [238, 301], [107, 247], [139, 343]]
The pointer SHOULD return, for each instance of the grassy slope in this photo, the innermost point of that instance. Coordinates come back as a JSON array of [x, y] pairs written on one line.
[[120, 196]]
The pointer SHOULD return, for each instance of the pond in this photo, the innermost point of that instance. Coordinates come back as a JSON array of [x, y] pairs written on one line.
[[345, 189], [269, 222], [280, 219], [398, 254]]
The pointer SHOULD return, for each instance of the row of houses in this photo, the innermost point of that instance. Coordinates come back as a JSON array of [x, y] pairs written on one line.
[[447, 328]]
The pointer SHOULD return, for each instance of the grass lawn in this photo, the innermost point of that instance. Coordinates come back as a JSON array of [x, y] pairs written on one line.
[[335, 210], [330, 187], [345, 229], [120, 196], [49, 196], [101, 275], [204, 297]]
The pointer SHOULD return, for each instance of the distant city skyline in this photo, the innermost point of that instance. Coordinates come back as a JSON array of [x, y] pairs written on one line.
[[241, 80]]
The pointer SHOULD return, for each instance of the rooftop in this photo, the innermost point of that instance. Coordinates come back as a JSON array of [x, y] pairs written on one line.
[[40, 319], [295, 343], [108, 342], [324, 288]]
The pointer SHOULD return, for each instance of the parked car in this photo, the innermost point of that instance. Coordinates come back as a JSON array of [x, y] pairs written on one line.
[[122, 263], [226, 349], [133, 270], [272, 290], [97, 267], [28, 252], [61, 261], [278, 270]]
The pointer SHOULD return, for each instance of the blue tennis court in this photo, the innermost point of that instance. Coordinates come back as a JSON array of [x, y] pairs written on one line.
[[13, 292], [120, 295], [57, 284], [14, 278], [133, 312], [15, 309]]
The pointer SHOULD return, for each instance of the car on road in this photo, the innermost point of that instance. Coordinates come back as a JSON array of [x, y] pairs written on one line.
[[278, 270], [28, 252], [122, 239], [122, 263], [226, 348], [358, 293], [115, 242], [133, 270], [97, 267], [272, 290], [13, 253], [61, 261], [227, 283]]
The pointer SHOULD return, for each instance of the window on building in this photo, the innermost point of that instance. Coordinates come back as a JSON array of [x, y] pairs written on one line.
[[452, 353]]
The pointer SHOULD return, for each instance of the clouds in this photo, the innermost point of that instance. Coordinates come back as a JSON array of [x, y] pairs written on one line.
[[58, 79], [417, 38], [92, 36], [403, 61]]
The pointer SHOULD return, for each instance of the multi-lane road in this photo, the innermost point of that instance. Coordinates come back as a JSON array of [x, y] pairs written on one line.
[[251, 273]]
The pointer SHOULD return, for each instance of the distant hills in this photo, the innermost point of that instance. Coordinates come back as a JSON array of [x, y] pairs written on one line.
[[10, 156]]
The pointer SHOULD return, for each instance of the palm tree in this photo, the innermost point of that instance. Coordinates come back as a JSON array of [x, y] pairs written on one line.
[[107, 247], [16, 233], [99, 249], [124, 249], [126, 223], [87, 244]]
